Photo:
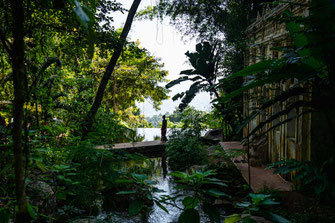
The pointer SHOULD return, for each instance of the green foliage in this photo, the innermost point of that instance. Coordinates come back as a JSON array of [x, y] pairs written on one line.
[[203, 75], [184, 149], [258, 205], [201, 183], [143, 189], [189, 216], [308, 174]]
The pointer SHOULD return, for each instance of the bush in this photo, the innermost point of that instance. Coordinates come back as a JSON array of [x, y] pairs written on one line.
[[184, 149]]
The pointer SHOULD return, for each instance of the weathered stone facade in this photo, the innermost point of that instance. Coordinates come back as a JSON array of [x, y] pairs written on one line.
[[291, 140]]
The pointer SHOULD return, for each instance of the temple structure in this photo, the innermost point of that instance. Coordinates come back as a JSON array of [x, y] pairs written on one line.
[[275, 141]]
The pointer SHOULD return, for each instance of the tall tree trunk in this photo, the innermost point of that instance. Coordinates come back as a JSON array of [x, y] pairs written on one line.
[[19, 98], [89, 119], [114, 92]]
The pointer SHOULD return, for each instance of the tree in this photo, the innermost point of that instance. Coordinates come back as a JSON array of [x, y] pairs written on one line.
[[89, 119], [204, 74], [136, 77], [25, 26], [19, 76]]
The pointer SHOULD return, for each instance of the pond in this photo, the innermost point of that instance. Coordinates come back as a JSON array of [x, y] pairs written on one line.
[[149, 134], [159, 173]]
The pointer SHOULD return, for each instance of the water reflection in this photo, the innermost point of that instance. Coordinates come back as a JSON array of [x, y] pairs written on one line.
[[157, 170]]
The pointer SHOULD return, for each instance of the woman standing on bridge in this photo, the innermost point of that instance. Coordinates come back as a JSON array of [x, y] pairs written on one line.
[[163, 129]]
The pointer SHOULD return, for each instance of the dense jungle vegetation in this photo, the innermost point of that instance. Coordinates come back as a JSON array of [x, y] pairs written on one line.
[[70, 81]]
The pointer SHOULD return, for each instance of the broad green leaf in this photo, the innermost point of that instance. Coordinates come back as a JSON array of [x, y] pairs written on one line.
[[140, 177], [212, 212], [278, 218], [270, 202], [5, 215], [259, 197], [82, 16], [177, 81], [123, 181], [161, 206], [253, 69], [177, 96], [62, 167], [135, 207], [190, 202], [214, 182], [61, 195], [60, 177], [186, 71], [217, 193], [41, 166], [248, 220], [151, 182], [149, 196], [31, 211], [126, 192], [178, 174], [243, 204], [233, 218], [189, 216]]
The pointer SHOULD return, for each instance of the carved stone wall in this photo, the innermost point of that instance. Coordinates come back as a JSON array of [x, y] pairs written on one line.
[[291, 140]]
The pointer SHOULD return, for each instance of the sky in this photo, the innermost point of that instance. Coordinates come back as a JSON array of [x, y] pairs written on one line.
[[163, 41]]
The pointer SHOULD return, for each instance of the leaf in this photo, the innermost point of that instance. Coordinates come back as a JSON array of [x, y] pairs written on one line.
[[61, 167], [278, 218], [186, 71], [212, 212], [61, 195], [82, 16], [60, 177], [5, 215], [161, 206], [190, 202], [189, 216], [190, 94], [31, 211], [7, 167], [243, 204], [149, 196], [126, 192], [177, 81], [177, 96], [217, 193], [248, 220], [151, 182], [140, 177], [40, 166], [270, 202], [135, 207], [179, 174], [253, 69], [233, 218], [258, 197], [157, 190], [214, 182], [123, 181]]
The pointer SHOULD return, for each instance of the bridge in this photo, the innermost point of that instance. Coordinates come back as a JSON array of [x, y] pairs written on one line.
[[148, 148]]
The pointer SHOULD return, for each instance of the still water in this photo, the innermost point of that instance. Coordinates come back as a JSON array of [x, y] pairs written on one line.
[[150, 133], [159, 173]]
